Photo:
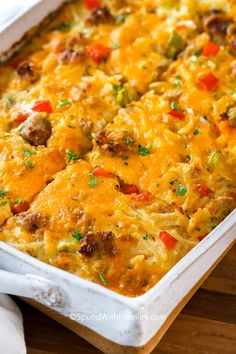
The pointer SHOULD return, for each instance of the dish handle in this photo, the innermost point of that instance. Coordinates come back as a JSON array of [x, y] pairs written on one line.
[[31, 286]]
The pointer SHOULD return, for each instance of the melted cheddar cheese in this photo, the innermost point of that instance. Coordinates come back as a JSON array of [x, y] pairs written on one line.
[[118, 137]]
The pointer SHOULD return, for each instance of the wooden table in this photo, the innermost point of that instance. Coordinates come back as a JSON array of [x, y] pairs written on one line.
[[207, 325]]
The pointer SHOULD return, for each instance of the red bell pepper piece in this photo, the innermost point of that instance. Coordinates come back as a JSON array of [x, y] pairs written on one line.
[[21, 117], [202, 190], [208, 82], [20, 208], [176, 114], [210, 49], [42, 106], [129, 189], [100, 172], [98, 52], [168, 240], [92, 4]]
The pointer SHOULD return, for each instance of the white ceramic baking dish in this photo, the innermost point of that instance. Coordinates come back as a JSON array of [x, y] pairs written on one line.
[[114, 323]]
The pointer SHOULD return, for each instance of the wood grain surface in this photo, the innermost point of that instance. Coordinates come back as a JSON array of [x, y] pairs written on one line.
[[207, 325]]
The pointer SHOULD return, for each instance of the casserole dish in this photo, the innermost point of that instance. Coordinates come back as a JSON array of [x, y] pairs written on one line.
[[116, 323], [112, 322]]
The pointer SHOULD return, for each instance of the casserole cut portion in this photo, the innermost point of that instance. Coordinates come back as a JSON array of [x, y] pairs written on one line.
[[83, 222], [24, 172]]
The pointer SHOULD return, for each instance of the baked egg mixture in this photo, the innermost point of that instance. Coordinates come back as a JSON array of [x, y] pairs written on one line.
[[118, 137]]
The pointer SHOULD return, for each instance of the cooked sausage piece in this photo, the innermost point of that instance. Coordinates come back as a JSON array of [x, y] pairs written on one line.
[[217, 23], [89, 244], [98, 241], [36, 130], [28, 71], [118, 143], [70, 56], [32, 222], [100, 15]]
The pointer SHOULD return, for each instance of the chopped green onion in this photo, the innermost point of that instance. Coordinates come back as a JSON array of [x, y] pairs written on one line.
[[117, 87], [181, 190], [91, 175], [64, 25], [18, 200], [116, 46], [175, 106], [28, 152], [177, 82], [145, 237], [143, 151], [10, 98], [28, 164], [102, 279], [3, 202], [63, 103], [128, 141], [197, 132], [71, 156], [77, 235], [2, 192], [93, 183], [197, 53]]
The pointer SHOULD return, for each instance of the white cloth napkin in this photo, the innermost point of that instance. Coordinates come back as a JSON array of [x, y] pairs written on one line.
[[11, 327]]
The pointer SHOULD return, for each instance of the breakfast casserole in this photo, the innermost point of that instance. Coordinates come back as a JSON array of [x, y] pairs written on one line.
[[118, 137]]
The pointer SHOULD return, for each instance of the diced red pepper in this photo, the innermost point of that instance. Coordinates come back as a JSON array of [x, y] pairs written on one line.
[[100, 172], [210, 49], [202, 190], [21, 117], [20, 208], [129, 189], [42, 106], [98, 52], [143, 197], [208, 82], [92, 4], [176, 114], [168, 240]]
